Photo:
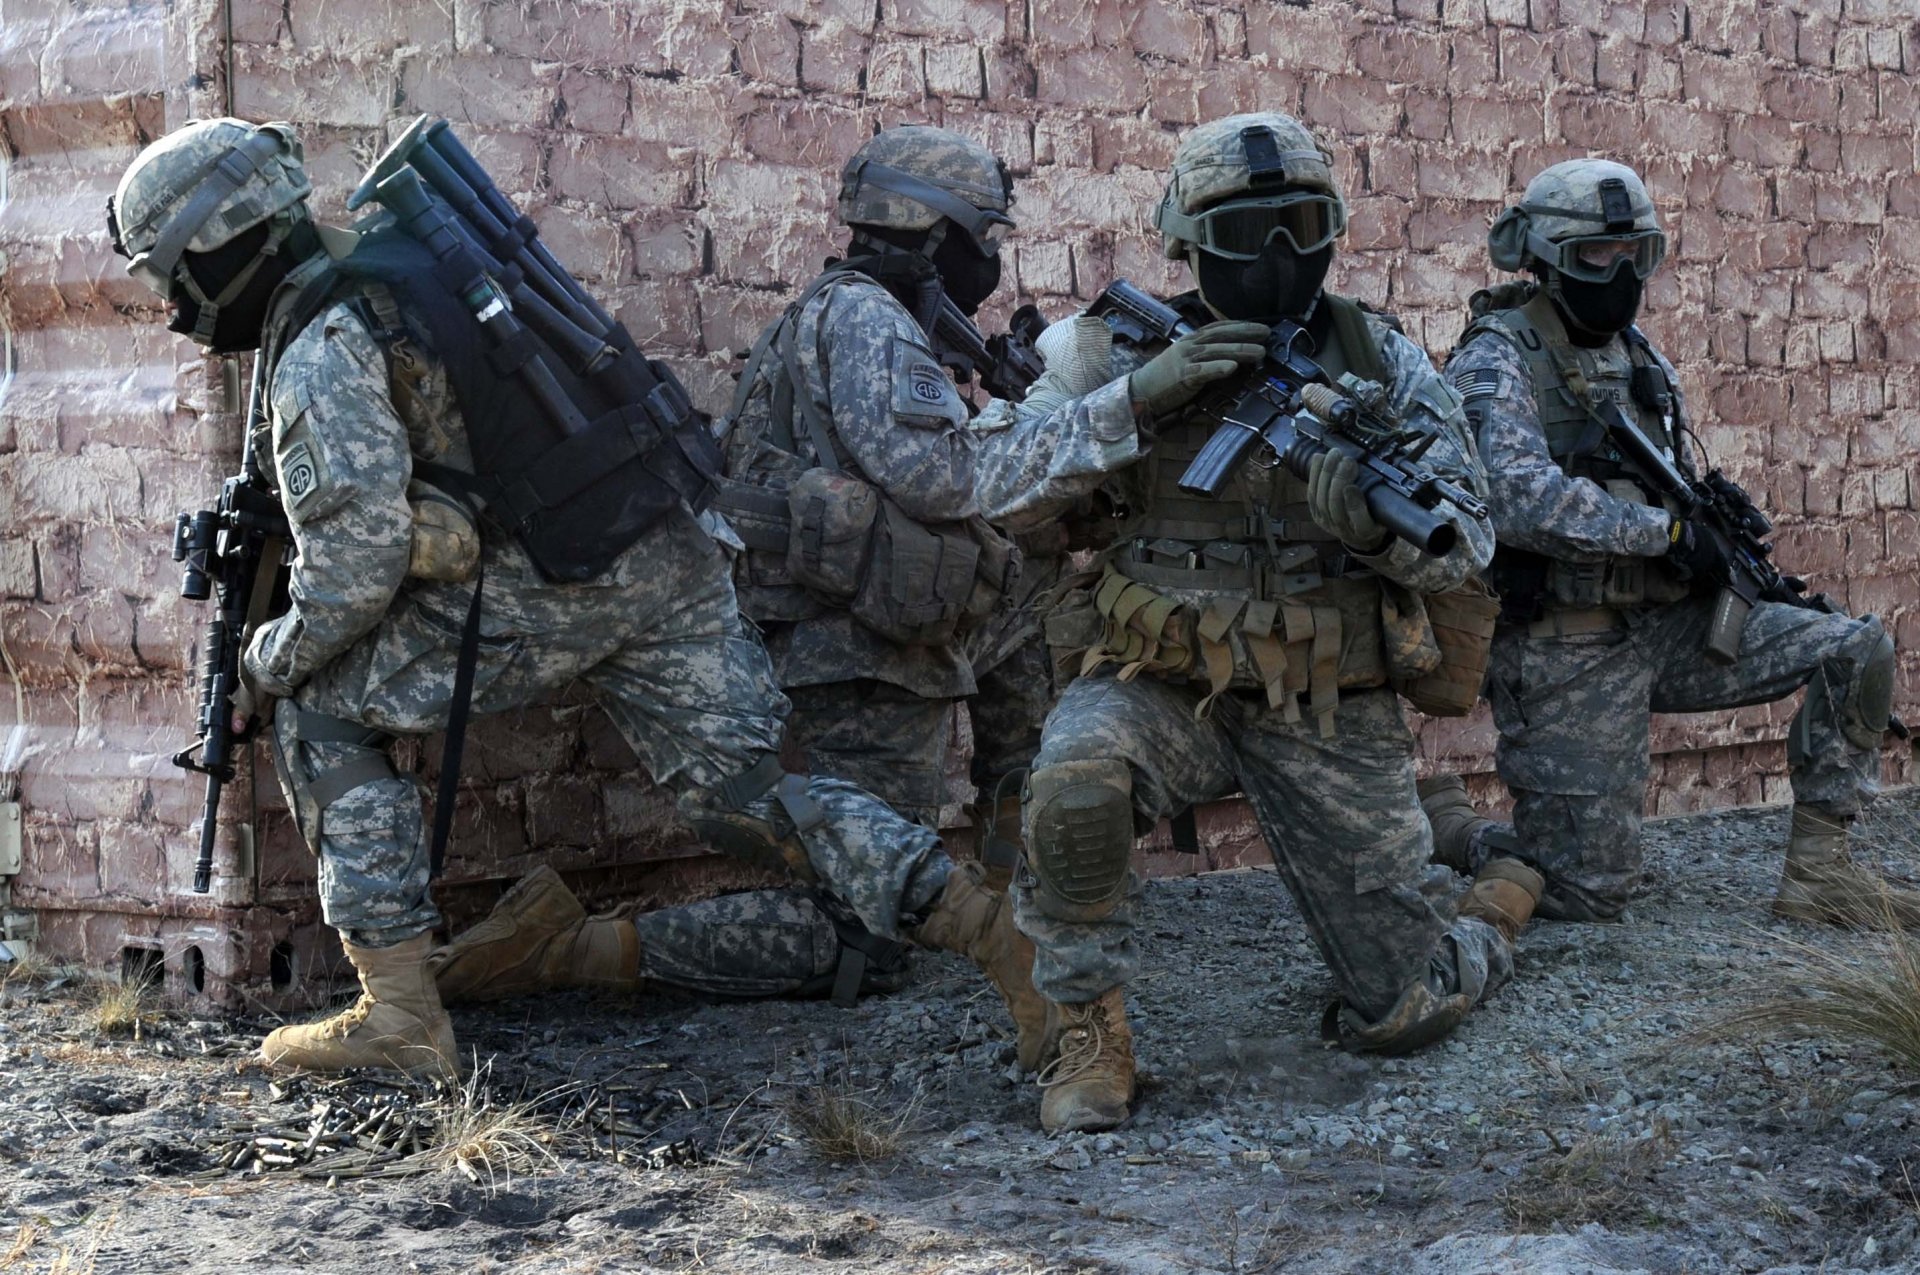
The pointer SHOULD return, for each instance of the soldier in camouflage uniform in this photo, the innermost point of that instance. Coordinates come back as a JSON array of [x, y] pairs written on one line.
[[1238, 643], [1608, 596], [846, 392], [214, 218]]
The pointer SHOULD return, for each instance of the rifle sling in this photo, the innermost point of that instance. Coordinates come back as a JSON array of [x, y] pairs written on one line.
[[452, 752]]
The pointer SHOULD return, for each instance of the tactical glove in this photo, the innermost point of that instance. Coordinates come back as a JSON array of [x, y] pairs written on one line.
[[1176, 375], [1699, 552], [1339, 506]]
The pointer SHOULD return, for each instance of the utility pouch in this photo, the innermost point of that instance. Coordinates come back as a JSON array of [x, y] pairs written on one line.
[[1462, 621], [1070, 629], [916, 589], [830, 534], [995, 574]]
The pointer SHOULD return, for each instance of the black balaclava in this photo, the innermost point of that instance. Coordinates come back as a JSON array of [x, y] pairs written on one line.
[[1596, 312], [969, 275], [238, 325], [1279, 284]]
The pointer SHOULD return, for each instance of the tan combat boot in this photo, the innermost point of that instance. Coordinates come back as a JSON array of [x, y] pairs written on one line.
[[1089, 1084], [1821, 882], [1504, 894], [1454, 820], [537, 937], [397, 1023], [977, 923]]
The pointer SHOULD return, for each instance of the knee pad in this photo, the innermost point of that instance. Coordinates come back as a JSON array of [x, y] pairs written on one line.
[[310, 790], [1857, 699], [1079, 826], [1419, 1018]]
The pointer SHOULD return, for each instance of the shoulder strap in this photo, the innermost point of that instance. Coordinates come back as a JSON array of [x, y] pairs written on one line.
[[1356, 338], [784, 377]]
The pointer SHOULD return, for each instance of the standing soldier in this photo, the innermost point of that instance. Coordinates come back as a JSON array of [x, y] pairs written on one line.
[[1240, 641], [1609, 597], [356, 402]]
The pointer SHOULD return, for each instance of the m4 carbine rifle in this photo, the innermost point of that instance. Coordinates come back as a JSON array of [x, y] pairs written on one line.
[[1007, 365], [1294, 411], [1725, 510], [233, 553]]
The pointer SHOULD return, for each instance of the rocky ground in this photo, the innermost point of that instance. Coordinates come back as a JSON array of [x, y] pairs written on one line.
[[1580, 1123]]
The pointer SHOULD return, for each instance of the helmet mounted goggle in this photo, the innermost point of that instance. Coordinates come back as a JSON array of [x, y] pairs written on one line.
[[1240, 229], [987, 228], [159, 267], [1597, 257]]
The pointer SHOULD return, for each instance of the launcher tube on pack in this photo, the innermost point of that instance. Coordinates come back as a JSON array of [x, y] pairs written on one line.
[[406, 197]]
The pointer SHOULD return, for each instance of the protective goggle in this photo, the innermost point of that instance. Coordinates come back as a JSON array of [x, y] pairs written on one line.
[[1241, 229], [1597, 258], [987, 228]]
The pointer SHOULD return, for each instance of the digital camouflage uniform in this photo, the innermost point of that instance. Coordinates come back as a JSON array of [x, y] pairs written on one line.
[[1599, 630], [865, 707], [658, 637], [1331, 782]]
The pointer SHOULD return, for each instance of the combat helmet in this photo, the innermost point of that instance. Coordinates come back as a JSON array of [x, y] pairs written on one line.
[[910, 177], [202, 186], [1239, 181], [1574, 219]]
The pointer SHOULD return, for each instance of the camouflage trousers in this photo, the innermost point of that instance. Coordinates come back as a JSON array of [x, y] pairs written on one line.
[[1573, 714], [661, 642], [753, 944], [1340, 817]]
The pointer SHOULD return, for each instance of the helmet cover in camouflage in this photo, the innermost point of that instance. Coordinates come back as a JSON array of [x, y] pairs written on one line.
[[199, 187], [1572, 200], [954, 166], [1241, 155]]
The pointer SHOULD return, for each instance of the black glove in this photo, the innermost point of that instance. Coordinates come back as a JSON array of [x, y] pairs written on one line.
[[1698, 551]]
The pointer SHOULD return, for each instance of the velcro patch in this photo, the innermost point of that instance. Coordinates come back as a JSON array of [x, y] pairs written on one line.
[[1478, 382], [299, 475]]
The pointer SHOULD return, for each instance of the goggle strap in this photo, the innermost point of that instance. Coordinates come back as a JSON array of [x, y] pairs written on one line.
[[1581, 214]]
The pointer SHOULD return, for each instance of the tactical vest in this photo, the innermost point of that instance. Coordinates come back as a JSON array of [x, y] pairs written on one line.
[[1567, 378], [819, 535], [1245, 591]]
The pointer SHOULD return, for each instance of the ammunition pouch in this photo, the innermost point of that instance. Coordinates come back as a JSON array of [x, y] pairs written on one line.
[[1314, 643], [849, 546], [1460, 623], [445, 543]]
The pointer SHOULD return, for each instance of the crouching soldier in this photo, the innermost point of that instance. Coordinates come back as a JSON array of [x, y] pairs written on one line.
[[1610, 598], [1238, 640], [373, 377]]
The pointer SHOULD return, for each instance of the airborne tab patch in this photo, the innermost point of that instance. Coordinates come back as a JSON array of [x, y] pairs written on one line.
[[922, 393]]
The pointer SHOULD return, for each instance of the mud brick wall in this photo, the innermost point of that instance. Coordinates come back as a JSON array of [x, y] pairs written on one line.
[[681, 157]]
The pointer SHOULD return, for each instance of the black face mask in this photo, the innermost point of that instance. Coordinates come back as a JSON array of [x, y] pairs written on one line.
[[968, 275], [238, 325], [1279, 284], [1599, 310]]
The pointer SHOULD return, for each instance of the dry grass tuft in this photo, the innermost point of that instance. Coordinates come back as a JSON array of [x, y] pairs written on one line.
[[1864, 989], [27, 968], [29, 1235], [1604, 1179], [843, 1123], [121, 1006], [486, 1140]]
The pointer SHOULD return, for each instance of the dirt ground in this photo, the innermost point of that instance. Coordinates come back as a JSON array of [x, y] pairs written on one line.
[[1576, 1124]]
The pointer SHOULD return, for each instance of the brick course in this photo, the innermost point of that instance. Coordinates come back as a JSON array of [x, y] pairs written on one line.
[[680, 155]]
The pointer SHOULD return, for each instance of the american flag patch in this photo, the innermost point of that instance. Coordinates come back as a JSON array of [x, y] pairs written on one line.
[[1477, 382]]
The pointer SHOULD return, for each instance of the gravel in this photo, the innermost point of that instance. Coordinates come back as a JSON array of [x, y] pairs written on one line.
[[1578, 1123]]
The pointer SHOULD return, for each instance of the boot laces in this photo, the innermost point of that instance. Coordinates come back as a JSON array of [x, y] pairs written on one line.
[[349, 1019], [1082, 1046]]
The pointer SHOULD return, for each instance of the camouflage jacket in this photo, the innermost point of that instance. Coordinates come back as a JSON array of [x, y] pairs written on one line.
[[1536, 505], [896, 420], [1094, 443], [343, 450]]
